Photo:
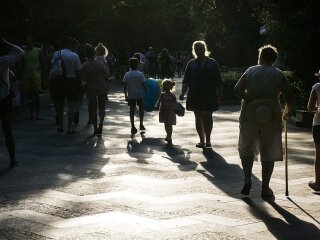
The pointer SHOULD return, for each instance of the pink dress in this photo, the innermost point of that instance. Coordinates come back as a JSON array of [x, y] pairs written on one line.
[[166, 110]]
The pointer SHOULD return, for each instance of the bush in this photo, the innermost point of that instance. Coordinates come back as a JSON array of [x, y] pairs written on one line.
[[230, 78], [301, 95]]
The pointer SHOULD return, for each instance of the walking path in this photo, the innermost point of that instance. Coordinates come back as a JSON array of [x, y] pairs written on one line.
[[79, 186]]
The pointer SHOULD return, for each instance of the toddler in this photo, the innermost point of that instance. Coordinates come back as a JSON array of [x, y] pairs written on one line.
[[166, 104]]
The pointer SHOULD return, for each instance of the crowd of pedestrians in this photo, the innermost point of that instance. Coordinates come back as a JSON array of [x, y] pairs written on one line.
[[88, 75]]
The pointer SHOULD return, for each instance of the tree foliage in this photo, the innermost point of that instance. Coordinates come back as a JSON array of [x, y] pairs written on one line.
[[230, 27]]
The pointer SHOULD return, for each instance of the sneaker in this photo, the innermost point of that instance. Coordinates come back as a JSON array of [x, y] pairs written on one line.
[[168, 140], [142, 128], [134, 130]]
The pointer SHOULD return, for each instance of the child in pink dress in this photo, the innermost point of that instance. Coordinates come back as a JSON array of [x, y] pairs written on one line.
[[166, 104]]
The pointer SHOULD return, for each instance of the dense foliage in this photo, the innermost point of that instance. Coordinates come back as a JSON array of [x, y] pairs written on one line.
[[230, 27]]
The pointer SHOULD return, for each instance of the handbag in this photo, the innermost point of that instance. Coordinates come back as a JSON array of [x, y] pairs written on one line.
[[56, 70], [179, 109]]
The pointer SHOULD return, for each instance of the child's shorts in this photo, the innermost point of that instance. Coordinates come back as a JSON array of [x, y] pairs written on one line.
[[135, 102]]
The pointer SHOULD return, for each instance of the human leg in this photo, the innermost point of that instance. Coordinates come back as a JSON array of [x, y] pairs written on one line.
[[132, 111], [6, 121], [247, 164], [315, 185], [36, 99], [141, 114], [248, 147], [30, 104], [267, 170], [207, 126], [168, 128], [102, 112], [92, 107], [199, 127], [71, 110]]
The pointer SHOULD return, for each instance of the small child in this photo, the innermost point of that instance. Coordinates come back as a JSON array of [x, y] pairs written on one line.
[[134, 83], [166, 104], [313, 104]]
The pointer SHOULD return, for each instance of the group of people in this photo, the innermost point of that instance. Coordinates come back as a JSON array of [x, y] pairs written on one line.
[[259, 88]]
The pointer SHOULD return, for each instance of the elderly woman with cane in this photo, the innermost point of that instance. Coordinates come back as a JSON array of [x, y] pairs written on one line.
[[260, 117], [9, 54]]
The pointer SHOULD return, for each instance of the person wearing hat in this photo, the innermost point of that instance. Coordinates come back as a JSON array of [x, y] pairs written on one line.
[[313, 105], [203, 82], [260, 117]]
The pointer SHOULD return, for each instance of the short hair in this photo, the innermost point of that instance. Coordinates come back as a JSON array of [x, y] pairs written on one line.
[[133, 63], [268, 53], [137, 55], [168, 84], [89, 50], [202, 43], [101, 50]]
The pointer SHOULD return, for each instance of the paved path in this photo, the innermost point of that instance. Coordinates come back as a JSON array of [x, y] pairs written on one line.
[[117, 187]]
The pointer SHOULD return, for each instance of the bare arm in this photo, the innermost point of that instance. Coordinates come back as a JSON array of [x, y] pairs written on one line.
[[125, 91], [240, 88], [313, 102], [183, 90]]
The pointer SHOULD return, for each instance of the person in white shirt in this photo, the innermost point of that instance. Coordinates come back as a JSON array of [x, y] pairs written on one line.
[[9, 54], [313, 105], [134, 83], [70, 86]]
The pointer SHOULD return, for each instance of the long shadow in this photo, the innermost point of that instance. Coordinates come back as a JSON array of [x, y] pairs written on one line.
[[220, 173], [142, 150], [290, 227]]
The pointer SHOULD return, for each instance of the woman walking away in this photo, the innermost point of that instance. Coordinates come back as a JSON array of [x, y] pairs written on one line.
[[166, 104], [313, 105], [94, 77], [203, 82], [9, 54], [101, 52]]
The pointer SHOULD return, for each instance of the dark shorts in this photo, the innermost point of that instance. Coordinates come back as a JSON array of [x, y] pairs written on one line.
[[6, 106], [135, 102], [316, 134]]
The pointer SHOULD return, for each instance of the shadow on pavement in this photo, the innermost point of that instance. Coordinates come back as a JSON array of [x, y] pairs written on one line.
[[290, 227], [142, 151], [223, 175]]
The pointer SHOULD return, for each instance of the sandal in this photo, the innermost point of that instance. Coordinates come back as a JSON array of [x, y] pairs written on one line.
[[208, 145], [200, 145]]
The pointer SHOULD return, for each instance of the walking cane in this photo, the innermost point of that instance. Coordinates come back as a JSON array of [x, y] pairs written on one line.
[[286, 154]]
